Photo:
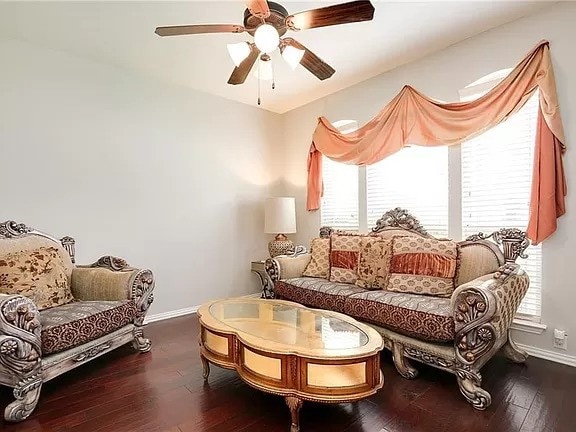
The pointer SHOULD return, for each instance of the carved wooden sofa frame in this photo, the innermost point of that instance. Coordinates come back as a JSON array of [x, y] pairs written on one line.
[[22, 365], [480, 329]]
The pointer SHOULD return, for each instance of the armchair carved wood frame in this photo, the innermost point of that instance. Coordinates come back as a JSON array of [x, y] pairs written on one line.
[[22, 364], [483, 310]]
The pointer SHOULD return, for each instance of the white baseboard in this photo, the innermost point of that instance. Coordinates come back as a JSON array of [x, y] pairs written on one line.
[[172, 314], [181, 312], [549, 355]]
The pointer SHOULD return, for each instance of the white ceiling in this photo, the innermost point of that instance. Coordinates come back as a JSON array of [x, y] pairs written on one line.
[[122, 33]]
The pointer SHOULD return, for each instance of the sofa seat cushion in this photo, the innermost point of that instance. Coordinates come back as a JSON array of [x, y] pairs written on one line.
[[76, 323], [422, 317], [316, 293]]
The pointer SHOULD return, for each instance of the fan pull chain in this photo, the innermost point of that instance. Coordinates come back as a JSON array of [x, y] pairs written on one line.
[[273, 77], [259, 76]]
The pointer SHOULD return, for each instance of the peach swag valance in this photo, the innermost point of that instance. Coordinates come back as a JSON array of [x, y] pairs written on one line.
[[413, 118]]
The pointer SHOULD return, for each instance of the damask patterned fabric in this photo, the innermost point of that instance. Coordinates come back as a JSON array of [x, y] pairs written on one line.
[[422, 317], [76, 323], [319, 265], [423, 266], [509, 295], [344, 255], [314, 292], [38, 274], [374, 263]]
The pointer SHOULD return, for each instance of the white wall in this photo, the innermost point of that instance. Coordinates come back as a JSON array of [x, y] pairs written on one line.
[[440, 76], [166, 177]]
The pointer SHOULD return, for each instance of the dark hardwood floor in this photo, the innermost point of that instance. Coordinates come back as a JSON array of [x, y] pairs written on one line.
[[164, 391]]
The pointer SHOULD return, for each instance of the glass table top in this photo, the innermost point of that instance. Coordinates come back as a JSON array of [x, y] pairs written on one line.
[[289, 324]]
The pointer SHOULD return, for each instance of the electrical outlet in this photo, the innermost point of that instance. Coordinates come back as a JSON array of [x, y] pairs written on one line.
[[560, 339]]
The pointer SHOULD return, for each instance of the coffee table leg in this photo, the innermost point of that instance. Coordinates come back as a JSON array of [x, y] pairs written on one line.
[[294, 404], [205, 367]]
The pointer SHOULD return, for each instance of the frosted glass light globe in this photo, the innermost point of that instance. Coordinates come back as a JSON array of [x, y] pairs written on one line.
[[266, 38]]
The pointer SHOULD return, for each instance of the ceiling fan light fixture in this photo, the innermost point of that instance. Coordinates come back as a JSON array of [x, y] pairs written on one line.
[[293, 55], [238, 52], [264, 70], [266, 38]]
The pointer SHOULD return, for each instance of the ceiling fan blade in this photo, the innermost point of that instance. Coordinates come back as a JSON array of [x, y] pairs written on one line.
[[351, 12], [258, 8], [198, 29], [240, 73], [311, 61]]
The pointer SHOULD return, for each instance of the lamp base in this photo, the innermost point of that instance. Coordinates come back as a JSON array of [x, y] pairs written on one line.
[[281, 245]]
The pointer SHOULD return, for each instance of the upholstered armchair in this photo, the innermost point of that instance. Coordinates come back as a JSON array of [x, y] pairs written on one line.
[[110, 301]]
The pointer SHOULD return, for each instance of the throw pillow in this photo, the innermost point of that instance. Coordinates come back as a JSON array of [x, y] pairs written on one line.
[[38, 274], [344, 254], [423, 266], [319, 265], [374, 263]]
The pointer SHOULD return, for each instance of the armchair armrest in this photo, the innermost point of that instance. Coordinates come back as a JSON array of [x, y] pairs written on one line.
[[285, 267], [483, 311], [111, 278]]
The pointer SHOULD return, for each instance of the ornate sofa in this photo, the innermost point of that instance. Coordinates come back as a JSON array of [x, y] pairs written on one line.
[[458, 334], [111, 301]]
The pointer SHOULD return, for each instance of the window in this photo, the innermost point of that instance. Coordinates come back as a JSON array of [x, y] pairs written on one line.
[[455, 191], [415, 178]]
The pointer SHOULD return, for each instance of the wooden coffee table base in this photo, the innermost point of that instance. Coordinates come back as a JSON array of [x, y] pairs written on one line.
[[295, 377]]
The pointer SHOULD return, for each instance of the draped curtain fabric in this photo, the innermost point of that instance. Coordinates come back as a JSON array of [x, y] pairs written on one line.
[[413, 118]]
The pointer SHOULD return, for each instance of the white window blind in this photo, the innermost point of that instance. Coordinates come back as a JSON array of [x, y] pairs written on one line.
[[416, 179], [496, 184], [339, 206]]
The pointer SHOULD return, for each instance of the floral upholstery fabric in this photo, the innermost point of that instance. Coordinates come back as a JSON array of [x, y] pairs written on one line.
[[422, 317], [373, 263], [76, 323], [423, 266], [314, 292], [319, 265], [344, 255], [38, 274]]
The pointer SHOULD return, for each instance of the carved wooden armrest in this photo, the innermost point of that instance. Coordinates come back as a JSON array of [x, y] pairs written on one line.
[[111, 278], [484, 309], [20, 340], [284, 267]]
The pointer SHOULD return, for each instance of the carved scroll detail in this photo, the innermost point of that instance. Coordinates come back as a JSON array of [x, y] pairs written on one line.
[[143, 296], [92, 352], [272, 269], [469, 381], [428, 358], [513, 241], [69, 244], [111, 263], [11, 229], [402, 219], [475, 335], [20, 353]]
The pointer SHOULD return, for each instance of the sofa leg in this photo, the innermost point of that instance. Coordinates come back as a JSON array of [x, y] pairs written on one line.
[[403, 365], [512, 352], [469, 382], [140, 343], [27, 393]]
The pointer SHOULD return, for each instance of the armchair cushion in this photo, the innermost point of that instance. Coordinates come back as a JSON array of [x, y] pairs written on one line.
[[101, 283], [76, 323], [374, 263], [39, 274], [344, 254]]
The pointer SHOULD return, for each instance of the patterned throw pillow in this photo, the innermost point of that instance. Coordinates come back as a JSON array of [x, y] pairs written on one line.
[[344, 254], [38, 274], [319, 265], [423, 266], [374, 263]]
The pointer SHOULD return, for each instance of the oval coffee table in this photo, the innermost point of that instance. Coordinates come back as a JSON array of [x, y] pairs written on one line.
[[286, 349]]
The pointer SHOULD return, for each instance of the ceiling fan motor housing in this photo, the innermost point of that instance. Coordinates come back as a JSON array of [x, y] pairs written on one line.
[[277, 19]]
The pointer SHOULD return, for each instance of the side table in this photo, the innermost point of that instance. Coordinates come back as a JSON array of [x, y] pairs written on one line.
[[259, 267]]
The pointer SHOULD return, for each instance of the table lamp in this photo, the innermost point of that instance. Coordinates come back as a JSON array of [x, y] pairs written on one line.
[[280, 219]]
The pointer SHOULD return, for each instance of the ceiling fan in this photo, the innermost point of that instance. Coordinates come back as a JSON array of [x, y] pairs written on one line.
[[267, 22]]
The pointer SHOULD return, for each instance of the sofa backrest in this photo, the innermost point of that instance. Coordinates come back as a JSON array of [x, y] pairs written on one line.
[[478, 255], [16, 237]]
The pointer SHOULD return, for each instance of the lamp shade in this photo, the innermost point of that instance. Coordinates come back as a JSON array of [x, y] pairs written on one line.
[[280, 215]]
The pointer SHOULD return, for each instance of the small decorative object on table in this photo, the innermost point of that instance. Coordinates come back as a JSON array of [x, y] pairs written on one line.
[[280, 219]]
